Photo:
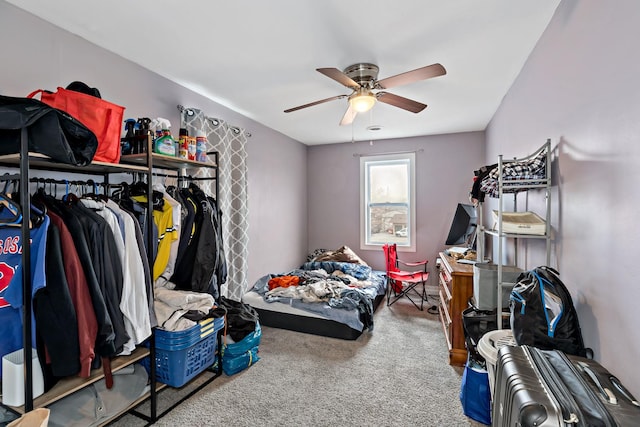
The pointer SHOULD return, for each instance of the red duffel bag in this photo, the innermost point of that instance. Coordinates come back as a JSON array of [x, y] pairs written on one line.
[[102, 117]]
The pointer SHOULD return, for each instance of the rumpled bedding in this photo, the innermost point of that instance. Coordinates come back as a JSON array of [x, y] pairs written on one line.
[[359, 271], [331, 289]]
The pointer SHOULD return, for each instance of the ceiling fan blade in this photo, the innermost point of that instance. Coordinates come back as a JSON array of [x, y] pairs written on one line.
[[423, 73], [311, 104], [339, 76], [400, 102], [349, 116]]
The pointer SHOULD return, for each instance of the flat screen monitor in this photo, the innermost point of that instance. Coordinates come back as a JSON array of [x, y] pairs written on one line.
[[463, 226]]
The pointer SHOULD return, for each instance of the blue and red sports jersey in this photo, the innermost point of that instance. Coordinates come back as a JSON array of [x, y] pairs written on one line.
[[11, 282]]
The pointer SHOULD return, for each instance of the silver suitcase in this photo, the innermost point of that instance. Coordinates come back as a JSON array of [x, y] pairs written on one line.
[[546, 388]]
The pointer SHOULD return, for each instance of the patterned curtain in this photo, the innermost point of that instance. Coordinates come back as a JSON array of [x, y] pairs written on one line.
[[230, 142]]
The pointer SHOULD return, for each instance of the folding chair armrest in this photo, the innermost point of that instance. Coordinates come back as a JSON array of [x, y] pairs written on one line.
[[415, 264]]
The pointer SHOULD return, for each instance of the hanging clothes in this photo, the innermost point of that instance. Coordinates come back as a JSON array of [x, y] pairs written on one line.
[[176, 208], [206, 250], [163, 219], [11, 304], [105, 340], [187, 227], [185, 276], [221, 263], [123, 198], [144, 260], [134, 301], [58, 345], [103, 251], [80, 296]]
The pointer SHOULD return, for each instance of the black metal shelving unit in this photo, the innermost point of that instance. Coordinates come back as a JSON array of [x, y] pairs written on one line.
[[26, 161], [179, 167], [143, 164]]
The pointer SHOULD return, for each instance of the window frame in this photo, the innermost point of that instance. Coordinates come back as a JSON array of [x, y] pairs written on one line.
[[365, 162]]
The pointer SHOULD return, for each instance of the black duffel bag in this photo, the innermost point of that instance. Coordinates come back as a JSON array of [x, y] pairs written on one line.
[[50, 131], [543, 314]]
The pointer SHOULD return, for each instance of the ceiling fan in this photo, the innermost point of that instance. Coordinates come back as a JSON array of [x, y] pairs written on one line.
[[362, 79]]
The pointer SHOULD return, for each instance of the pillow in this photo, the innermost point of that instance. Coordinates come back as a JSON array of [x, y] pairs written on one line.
[[313, 255], [344, 254]]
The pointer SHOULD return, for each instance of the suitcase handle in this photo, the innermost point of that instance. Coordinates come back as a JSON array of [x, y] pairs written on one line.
[[606, 393], [618, 385]]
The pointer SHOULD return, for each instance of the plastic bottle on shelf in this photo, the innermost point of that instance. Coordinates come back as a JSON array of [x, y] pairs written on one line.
[[201, 147], [193, 142], [127, 144], [183, 144], [165, 144]]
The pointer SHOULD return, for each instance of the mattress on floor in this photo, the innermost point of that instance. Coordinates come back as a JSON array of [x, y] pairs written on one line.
[[284, 316], [256, 300]]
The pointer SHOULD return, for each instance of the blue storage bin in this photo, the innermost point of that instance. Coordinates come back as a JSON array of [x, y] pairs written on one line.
[[182, 355], [179, 340]]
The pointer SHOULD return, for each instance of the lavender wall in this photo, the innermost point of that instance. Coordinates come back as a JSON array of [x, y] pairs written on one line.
[[580, 88], [444, 172], [47, 57]]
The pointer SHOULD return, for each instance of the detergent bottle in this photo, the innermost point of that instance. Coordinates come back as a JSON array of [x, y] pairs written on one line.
[[165, 144]]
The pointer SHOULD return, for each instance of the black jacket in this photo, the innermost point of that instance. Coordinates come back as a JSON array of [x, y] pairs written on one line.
[[55, 315], [188, 245], [206, 254]]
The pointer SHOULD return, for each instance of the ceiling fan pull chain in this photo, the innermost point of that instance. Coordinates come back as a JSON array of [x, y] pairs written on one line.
[[352, 140]]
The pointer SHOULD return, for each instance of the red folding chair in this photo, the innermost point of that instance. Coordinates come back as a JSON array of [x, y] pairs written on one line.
[[401, 283]]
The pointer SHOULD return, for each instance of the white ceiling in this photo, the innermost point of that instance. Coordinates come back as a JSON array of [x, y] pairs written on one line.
[[259, 57]]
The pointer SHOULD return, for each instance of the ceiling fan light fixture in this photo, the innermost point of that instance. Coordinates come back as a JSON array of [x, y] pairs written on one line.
[[362, 101]]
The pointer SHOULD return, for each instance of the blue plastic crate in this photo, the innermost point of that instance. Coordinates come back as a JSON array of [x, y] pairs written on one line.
[[176, 368], [183, 339], [179, 340], [177, 361]]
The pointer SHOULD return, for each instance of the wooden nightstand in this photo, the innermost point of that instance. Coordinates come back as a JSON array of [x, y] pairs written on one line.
[[455, 286]]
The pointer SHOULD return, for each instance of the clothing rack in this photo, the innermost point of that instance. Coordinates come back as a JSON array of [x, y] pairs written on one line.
[[141, 168], [77, 183], [24, 160]]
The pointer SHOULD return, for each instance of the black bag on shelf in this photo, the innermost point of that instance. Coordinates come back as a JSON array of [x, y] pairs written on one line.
[[50, 131], [543, 314]]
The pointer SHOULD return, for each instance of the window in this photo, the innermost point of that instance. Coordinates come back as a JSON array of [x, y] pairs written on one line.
[[387, 195]]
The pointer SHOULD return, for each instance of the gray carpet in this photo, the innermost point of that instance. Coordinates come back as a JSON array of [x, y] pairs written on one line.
[[397, 375]]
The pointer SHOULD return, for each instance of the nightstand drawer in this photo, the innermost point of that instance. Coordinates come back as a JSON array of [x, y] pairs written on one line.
[[444, 309], [445, 289]]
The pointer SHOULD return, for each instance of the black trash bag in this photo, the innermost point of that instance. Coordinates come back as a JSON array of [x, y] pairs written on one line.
[[241, 318], [50, 131]]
